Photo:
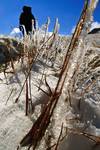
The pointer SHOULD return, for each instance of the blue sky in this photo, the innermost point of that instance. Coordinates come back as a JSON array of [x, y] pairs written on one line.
[[67, 11]]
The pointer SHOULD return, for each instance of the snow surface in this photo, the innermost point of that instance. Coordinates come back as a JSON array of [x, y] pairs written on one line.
[[14, 124], [16, 33]]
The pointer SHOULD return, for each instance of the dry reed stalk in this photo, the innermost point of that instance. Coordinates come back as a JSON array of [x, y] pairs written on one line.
[[48, 47], [46, 30], [46, 51], [59, 137], [94, 138], [88, 88], [27, 98], [11, 60], [72, 46], [9, 96]]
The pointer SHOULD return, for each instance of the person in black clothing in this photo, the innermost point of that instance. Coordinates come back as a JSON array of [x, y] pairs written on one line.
[[27, 19]]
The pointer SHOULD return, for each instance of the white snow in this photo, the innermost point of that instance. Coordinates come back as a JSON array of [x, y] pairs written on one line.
[[16, 33]]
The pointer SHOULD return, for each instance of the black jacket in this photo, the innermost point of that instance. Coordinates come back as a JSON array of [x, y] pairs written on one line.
[[26, 18]]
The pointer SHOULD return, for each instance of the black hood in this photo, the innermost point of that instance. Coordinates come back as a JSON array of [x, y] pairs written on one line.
[[27, 9]]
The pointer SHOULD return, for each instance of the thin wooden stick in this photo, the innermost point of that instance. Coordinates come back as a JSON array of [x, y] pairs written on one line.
[[59, 137], [9, 96], [27, 98]]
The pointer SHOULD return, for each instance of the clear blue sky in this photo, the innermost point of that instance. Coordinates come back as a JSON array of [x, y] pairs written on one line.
[[67, 11]]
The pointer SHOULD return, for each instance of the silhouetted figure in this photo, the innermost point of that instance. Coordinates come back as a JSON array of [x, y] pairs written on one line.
[[27, 19]]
